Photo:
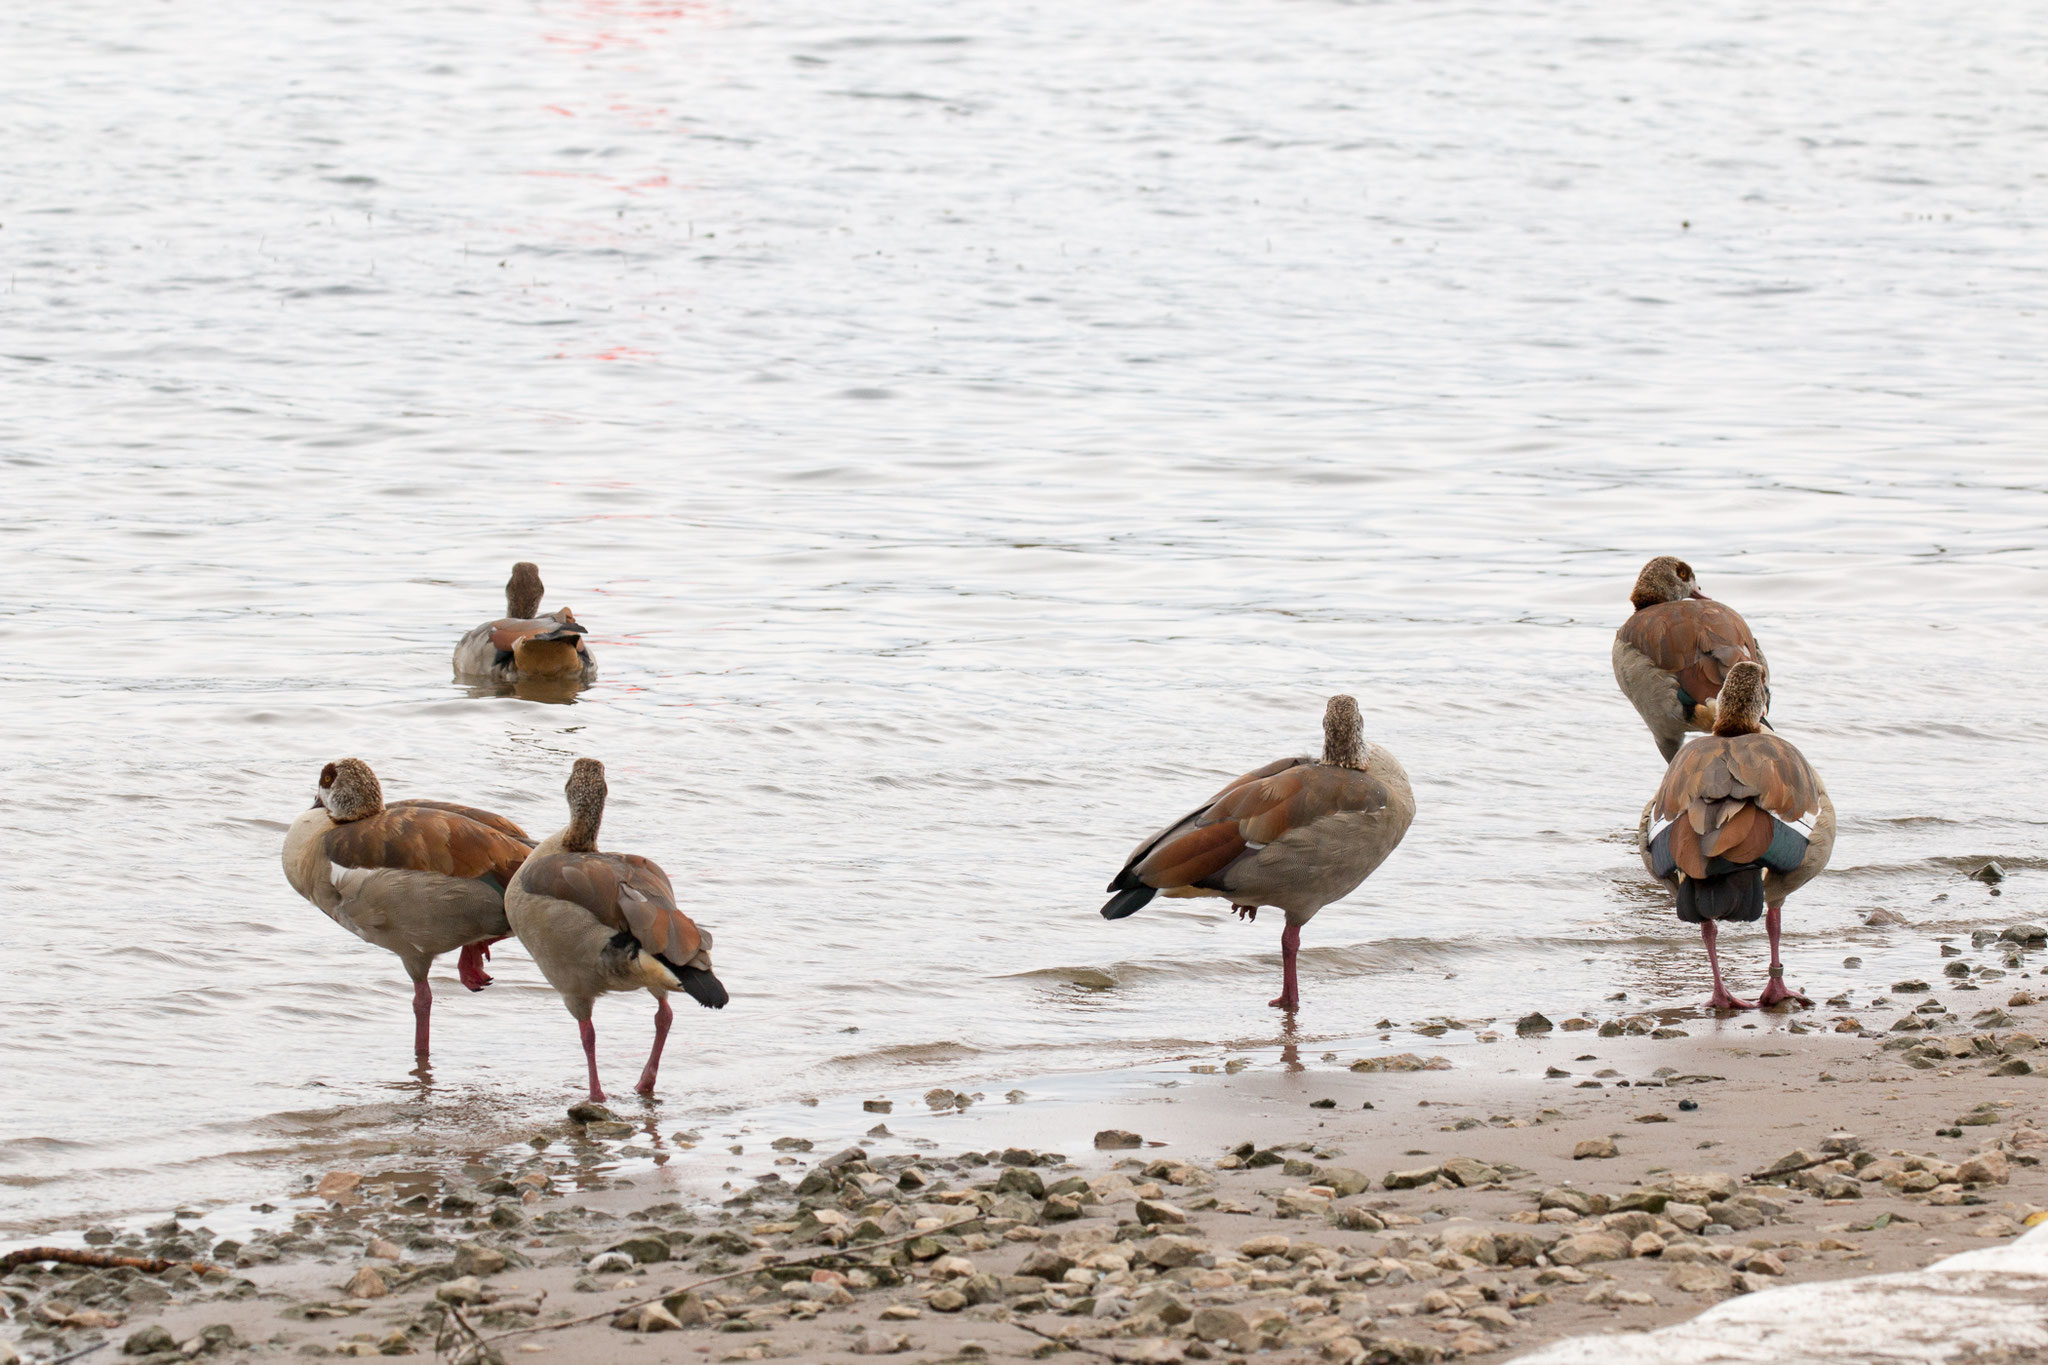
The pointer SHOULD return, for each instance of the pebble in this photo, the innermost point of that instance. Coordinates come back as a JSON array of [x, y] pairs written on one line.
[[1584, 1247], [336, 1186], [467, 1289], [1700, 1277], [1152, 1212], [652, 1317], [366, 1284], [1596, 1147], [1116, 1139]]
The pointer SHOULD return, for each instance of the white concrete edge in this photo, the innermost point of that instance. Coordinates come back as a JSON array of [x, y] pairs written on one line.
[[1978, 1301]]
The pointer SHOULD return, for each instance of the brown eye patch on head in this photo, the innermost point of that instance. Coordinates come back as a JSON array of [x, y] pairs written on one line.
[[327, 775], [1684, 569]]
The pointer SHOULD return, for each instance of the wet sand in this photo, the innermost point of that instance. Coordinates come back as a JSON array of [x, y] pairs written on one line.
[[1342, 1208]]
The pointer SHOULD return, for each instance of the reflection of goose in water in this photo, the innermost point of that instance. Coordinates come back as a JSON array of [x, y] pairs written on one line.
[[1296, 834], [419, 878], [598, 922], [526, 646], [1740, 822], [1671, 656]]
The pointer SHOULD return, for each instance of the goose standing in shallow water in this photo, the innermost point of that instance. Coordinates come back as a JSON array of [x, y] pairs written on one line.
[[1741, 822], [1296, 834], [526, 646], [599, 922], [1671, 656], [418, 878]]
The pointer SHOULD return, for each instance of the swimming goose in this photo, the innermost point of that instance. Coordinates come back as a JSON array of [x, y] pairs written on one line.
[[418, 878], [1741, 822], [1671, 656], [598, 922], [526, 646], [1297, 834]]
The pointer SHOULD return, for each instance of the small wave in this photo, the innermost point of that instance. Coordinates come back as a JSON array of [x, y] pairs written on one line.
[[907, 1054]]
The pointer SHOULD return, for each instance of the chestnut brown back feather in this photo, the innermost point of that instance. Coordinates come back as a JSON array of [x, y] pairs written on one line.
[[508, 633], [624, 892], [482, 817], [1720, 789], [417, 838], [1697, 640], [1258, 810]]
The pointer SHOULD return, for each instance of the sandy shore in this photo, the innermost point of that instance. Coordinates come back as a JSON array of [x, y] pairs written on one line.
[[1547, 1184]]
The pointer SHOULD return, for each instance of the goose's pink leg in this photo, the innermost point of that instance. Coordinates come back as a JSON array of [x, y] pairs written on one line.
[[469, 963], [1776, 989], [1721, 999], [422, 1008], [588, 1031], [1289, 998], [662, 1014]]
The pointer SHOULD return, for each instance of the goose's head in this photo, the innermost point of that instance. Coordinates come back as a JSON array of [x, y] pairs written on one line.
[[523, 591], [349, 790], [1666, 578], [586, 792], [1744, 701], [1343, 733]]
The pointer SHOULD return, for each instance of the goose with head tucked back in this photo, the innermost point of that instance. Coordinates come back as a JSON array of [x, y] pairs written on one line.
[[599, 922], [419, 878], [1671, 655], [1740, 822], [1296, 834], [526, 646]]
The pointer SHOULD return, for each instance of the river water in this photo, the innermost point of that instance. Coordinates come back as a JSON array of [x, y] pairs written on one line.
[[971, 434]]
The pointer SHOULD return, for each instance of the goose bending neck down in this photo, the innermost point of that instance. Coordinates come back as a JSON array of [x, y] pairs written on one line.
[[600, 922], [1673, 653], [1740, 822], [1296, 834], [417, 878]]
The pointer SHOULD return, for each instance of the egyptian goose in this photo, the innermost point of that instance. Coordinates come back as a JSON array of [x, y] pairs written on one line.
[[1671, 656], [526, 646], [1740, 822], [419, 878], [598, 922], [1296, 834]]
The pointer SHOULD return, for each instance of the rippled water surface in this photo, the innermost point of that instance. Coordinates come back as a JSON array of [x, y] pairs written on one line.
[[971, 433]]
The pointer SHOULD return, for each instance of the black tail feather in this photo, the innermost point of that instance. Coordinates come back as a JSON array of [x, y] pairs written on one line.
[[1128, 901], [700, 985], [1735, 896]]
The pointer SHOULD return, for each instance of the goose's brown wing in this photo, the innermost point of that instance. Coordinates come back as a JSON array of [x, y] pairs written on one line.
[[1695, 640], [623, 892], [508, 633], [482, 817], [1721, 792], [1125, 874], [1257, 810], [418, 837]]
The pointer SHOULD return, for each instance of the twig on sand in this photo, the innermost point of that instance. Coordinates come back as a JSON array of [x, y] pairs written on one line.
[[99, 1260], [81, 1351], [1071, 1343], [767, 1264], [474, 1349]]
